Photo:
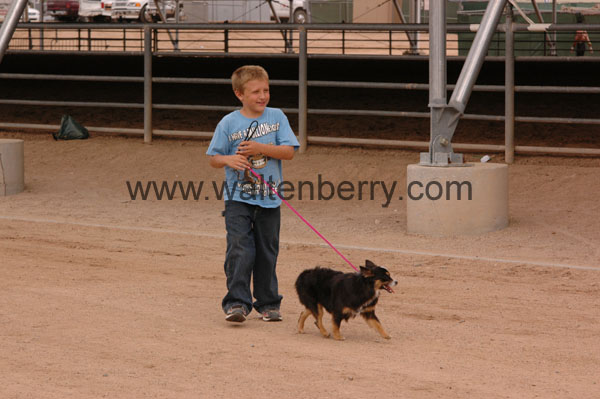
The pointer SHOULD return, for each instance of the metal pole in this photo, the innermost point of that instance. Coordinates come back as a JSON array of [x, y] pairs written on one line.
[[302, 89], [403, 20], [226, 38], [413, 17], [474, 61], [283, 33], [147, 84], [547, 38], [417, 21], [554, 20], [161, 14], [437, 53], [509, 87], [291, 21], [10, 24], [177, 22], [42, 21], [437, 75]]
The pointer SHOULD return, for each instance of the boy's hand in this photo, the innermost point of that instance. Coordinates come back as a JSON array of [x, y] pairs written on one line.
[[238, 162], [247, 148]]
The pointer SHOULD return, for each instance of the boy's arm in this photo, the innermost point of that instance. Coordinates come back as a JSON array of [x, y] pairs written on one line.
[[237, 161], [284, 152]]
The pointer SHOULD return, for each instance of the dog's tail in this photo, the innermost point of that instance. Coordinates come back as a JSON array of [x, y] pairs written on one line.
[[305, 287]]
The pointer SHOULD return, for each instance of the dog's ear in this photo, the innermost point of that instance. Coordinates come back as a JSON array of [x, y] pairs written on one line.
[[366, 272], [370, 264]]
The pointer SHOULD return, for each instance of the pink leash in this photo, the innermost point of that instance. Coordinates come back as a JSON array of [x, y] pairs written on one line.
[[301, 218]]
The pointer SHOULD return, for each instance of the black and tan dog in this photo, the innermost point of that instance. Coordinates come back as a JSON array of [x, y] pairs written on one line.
[[344, 295]]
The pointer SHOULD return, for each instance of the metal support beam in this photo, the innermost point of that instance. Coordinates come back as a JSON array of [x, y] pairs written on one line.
[[509, 89], [162, 17], [554, 21], [415, 18], [444, 118], [10, 24], [147, 84], [413, 44], [437, 82], [291, 32], [302, 89], [547, 37], [284, 33]]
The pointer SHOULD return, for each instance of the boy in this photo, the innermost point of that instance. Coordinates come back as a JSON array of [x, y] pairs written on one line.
[[257, 137]]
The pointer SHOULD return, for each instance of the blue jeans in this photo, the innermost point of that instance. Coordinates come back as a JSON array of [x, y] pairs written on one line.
[[252, 249]]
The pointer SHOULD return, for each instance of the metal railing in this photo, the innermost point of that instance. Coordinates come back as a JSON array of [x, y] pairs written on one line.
[[189, 39], [151, 33]]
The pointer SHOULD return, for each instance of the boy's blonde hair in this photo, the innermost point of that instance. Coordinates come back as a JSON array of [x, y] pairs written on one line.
[[246, 73]]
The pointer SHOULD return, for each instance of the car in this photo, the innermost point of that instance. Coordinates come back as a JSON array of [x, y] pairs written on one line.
[[64, 10], [141, 10], [33, 15], [282, 10]]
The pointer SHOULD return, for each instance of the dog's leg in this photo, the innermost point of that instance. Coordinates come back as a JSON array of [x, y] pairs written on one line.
[[336, 321], [322, 329], [302, 319], [373, 321]]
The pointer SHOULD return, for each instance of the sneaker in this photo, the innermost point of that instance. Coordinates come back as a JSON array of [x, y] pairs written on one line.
[[271, 315], [236, 314]]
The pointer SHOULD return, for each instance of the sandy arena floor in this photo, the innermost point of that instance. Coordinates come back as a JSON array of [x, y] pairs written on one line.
[[105, 296]]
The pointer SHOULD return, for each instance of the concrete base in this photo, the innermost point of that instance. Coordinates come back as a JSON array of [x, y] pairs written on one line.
[[12, 170], [458, 200]]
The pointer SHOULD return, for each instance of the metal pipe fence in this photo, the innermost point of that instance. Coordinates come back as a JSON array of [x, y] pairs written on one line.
[[151, 42], [341, 39]]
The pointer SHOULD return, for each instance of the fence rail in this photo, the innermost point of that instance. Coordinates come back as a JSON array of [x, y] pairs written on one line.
[[150, 39], [341, 39]]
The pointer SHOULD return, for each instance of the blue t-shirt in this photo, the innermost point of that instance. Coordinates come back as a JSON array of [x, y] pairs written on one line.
[[273, 128]]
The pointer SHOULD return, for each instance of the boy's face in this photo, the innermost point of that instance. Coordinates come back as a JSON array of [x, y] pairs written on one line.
[[254, 97]]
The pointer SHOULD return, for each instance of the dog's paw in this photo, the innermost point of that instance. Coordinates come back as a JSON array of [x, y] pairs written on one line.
[[339, 338], [387, 337]]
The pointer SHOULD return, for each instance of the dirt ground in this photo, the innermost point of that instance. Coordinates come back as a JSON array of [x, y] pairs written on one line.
[[105, 296]]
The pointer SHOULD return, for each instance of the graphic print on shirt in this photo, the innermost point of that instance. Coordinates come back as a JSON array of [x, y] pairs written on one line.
[[262, 129], [250, 185]]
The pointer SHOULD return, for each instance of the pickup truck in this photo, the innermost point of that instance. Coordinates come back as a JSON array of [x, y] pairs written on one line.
[[64, 10]]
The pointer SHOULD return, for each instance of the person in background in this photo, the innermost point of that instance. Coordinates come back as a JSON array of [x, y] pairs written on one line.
[[581, 39]]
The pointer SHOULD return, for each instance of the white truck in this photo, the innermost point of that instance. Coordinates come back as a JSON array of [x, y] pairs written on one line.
[[91, 10], [299, 13], [141, 10], [106, 6]]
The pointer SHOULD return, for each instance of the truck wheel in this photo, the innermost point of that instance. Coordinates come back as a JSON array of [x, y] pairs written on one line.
[[145, 16], [300, 16]]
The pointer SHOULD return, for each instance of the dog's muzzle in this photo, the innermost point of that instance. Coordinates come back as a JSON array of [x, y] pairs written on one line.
[[388, 287]]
